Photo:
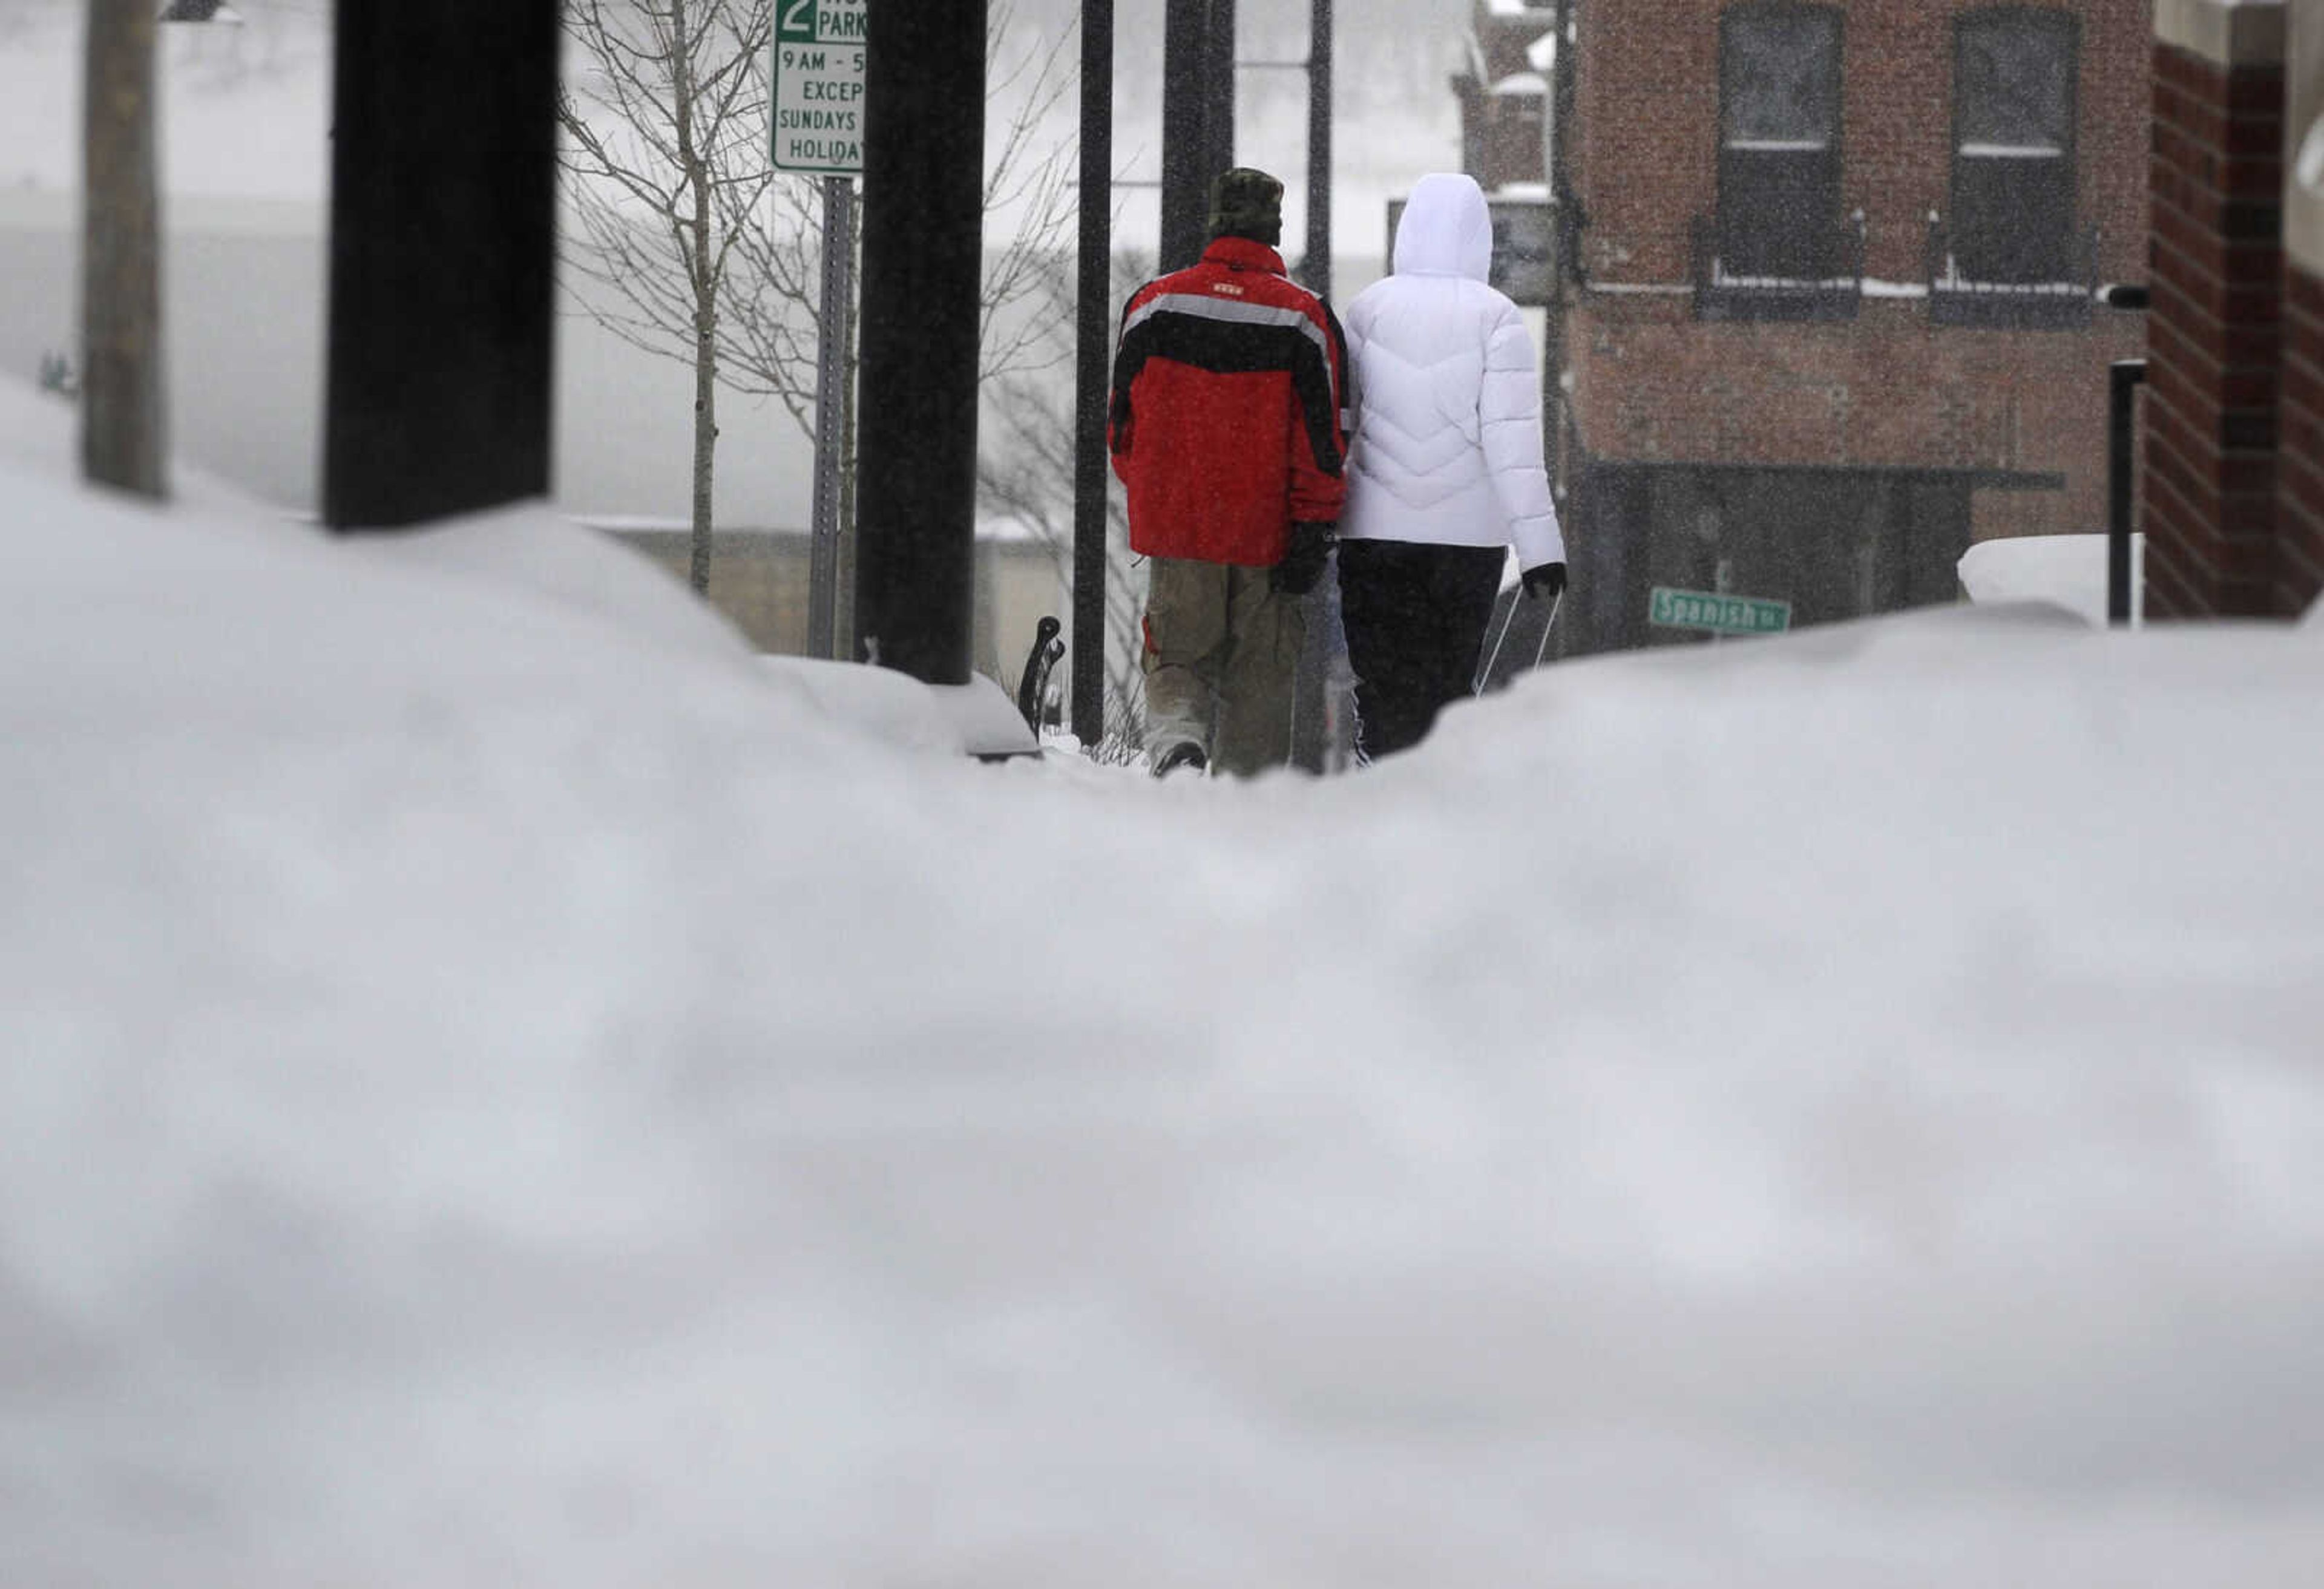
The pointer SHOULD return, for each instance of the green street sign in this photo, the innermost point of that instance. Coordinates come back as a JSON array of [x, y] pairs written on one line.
[[1722, 615], [817, 125]]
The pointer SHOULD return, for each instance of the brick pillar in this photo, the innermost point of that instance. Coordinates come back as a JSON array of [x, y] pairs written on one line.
[[2299, 462], [2214, 333]]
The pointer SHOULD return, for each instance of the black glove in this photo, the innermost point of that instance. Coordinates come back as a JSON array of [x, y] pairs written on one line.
[[1303, 559], [1544, 580]]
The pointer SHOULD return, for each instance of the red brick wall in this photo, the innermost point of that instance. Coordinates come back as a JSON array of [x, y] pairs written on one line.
[[2213, 336], [1884, 390], [1646, 145], [2299, 526], [1888, 388], [1645, 132]]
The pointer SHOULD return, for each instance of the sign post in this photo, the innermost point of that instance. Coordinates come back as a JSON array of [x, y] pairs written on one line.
[[817, 129], [1719, 614]]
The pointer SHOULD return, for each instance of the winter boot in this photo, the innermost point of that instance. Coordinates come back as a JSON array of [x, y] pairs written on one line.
[[1186, 753]]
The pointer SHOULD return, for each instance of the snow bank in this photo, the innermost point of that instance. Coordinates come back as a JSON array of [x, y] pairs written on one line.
[[502, 1090], [2069, 571]]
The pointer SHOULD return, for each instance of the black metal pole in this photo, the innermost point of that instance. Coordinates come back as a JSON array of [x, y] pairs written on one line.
[[923, 247], [1317, 268], [1218, 107], [2124, 376], [1093, 345], [1560, 439], [443, 258], [1198, 83]]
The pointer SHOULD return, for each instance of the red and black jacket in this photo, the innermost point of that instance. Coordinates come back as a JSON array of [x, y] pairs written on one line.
[[1226, 422]]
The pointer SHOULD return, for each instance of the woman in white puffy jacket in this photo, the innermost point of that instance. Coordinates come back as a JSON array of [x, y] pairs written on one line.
[[1445, 470]]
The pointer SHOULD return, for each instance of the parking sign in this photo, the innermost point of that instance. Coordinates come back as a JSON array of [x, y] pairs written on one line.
[[818, 79]]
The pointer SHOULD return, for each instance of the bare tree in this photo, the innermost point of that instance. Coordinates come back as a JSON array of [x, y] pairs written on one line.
[[698, 249], [774, 295], [666, 164]]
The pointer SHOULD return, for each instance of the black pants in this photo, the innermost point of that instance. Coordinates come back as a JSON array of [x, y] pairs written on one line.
[[1416, 617]]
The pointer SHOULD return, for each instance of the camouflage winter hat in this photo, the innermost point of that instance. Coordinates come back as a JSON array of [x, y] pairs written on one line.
[[1245, 203]]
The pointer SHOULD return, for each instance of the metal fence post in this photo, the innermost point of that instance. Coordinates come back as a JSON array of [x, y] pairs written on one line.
[[830, 375]]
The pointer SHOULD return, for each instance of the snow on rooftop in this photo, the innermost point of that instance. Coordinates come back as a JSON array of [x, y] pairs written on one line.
[[504, 1088]]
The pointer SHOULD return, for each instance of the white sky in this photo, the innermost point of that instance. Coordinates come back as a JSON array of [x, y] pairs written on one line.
[[247, 107]]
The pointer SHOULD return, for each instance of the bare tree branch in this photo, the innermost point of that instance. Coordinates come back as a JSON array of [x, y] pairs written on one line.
[[687, 242], [660, 130]]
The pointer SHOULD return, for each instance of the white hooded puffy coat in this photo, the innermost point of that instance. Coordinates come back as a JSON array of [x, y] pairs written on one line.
[[1447, 445]]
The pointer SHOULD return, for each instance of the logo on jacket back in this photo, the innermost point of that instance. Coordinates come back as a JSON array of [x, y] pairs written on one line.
[[1229, 288]]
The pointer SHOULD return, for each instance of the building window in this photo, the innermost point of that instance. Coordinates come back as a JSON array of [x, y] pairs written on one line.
[[1779, 144], [2012, 180]]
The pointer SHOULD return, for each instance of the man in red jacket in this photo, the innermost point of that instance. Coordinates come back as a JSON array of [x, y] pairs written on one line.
[[1226, 428]]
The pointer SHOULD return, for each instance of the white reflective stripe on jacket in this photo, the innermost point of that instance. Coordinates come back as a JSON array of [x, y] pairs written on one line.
[[1448, 444]]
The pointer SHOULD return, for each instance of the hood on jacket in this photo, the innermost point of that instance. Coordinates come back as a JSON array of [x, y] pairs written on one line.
[[1446, 229]]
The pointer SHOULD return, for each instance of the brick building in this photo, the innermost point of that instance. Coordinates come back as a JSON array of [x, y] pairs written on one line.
[[1827, 305], [1504, 89], [2234, 426]]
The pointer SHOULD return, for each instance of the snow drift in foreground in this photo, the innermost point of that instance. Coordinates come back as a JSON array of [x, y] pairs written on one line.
[[500, 1090]]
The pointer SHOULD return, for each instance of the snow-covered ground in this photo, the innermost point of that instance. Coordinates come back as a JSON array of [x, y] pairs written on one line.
[[501, 1089]]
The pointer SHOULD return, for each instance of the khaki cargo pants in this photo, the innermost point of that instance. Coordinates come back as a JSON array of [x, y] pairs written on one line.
[[1222, 658]]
